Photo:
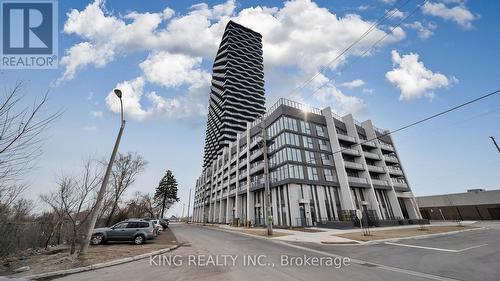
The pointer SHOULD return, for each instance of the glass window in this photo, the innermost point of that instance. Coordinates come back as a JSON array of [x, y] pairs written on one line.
[[306, 127], [310, 157], [308, 142], [320, 131], [329, 176], [312, 173]]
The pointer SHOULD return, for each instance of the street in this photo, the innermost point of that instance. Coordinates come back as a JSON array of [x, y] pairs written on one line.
[[384, 261]]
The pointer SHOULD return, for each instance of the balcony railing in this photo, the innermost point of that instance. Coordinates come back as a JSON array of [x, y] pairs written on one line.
[[353, 165], [376, 169], [347, 138], [391, 158], [371, 155], [394, 170], [380, 182], [386, 146], [369, 143], [350, 151], [357, 180]]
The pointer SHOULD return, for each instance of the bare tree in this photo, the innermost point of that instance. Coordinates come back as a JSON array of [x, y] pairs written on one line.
[[76, 197], [21, 135], [125, 170]]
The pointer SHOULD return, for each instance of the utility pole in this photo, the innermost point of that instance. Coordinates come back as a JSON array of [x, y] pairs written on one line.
[[189, 204], [267, 211], [183, 205], [95, 212], [494, 142]]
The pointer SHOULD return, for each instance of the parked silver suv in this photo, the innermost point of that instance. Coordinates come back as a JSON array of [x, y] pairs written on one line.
[[137, 231]]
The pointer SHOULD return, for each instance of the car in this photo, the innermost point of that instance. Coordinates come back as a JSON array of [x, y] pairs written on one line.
[[164, 223], [137, 231], [158, 226]]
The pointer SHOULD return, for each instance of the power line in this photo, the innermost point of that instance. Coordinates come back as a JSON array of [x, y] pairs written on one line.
[[392, 10], [372, 46], [423, 120]]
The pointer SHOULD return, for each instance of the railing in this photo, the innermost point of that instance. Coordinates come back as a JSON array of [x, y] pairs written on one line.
[[353, 165], [371, 155], [376, 169], [394, 170], [369, 143], [357, 180], [386, 145], [346, 138], [390, 158], [350, 151], [380, 182]]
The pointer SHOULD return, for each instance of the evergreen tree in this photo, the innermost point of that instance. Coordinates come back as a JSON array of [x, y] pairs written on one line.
[[166, 192]]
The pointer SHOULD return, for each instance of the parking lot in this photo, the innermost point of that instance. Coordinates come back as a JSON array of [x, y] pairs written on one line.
[[470, 255]]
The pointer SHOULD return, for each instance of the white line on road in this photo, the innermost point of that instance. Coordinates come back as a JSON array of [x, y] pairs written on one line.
[[432, 248]]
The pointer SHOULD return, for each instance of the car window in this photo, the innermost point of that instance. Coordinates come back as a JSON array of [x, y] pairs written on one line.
[[133, 225], [143, 224], [121, 225]]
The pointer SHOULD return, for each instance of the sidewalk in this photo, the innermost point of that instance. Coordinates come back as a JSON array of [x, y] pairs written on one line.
[[331, 236]]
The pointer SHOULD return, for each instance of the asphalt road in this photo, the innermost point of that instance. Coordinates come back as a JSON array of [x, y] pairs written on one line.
[[471, 255], [386, 262]]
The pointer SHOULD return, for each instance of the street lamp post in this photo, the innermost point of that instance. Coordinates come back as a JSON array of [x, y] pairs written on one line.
[[98, 205]]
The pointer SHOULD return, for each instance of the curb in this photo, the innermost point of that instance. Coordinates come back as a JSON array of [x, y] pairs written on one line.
[[97, 265]]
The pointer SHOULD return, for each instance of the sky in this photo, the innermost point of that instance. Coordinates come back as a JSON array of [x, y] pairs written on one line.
[[160, 53]]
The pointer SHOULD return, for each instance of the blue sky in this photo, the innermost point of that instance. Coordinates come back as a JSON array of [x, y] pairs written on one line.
[[160, 53]]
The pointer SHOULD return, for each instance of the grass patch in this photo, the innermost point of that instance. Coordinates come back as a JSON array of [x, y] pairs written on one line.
[[401, 232]]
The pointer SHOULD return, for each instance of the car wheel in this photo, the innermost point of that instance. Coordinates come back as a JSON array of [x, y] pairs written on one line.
[[97, 239], [138, 240]]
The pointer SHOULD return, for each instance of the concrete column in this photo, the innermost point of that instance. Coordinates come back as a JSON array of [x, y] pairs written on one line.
[[274, 191], [345, 192], [293, 193], [321, 202], [250, 204]]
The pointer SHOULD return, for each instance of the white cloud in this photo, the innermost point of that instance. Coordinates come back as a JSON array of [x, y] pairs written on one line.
[[132, 90], [173, 70], [300, 35], [353, 84], [389, 2], [90, 128], [459, 14], [413, 79], [341, 103], [363, 7], [396, 14], [368, 91], [96, 114], [424, 30]]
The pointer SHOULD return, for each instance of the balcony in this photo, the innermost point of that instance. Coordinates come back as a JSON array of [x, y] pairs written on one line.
[[353, 165], [392, 159], [399, 183], [376, 169], [386, 146], [242, 175], [350, 151], [346, 138], [369, 143], [324, 147], [380, 182], [357, 180], [371, 155], [256, 167], [243, 187], [394, 170], [256, 153]]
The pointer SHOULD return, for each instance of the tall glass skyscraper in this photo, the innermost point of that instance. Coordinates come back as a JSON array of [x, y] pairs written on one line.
[[237, 91]]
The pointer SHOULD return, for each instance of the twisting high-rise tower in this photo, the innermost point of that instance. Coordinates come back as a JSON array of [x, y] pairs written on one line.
[[237, 91]]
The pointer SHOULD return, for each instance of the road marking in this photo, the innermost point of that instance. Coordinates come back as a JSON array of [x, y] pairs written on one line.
[[432, 248], [359, 262], [473, 247]]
